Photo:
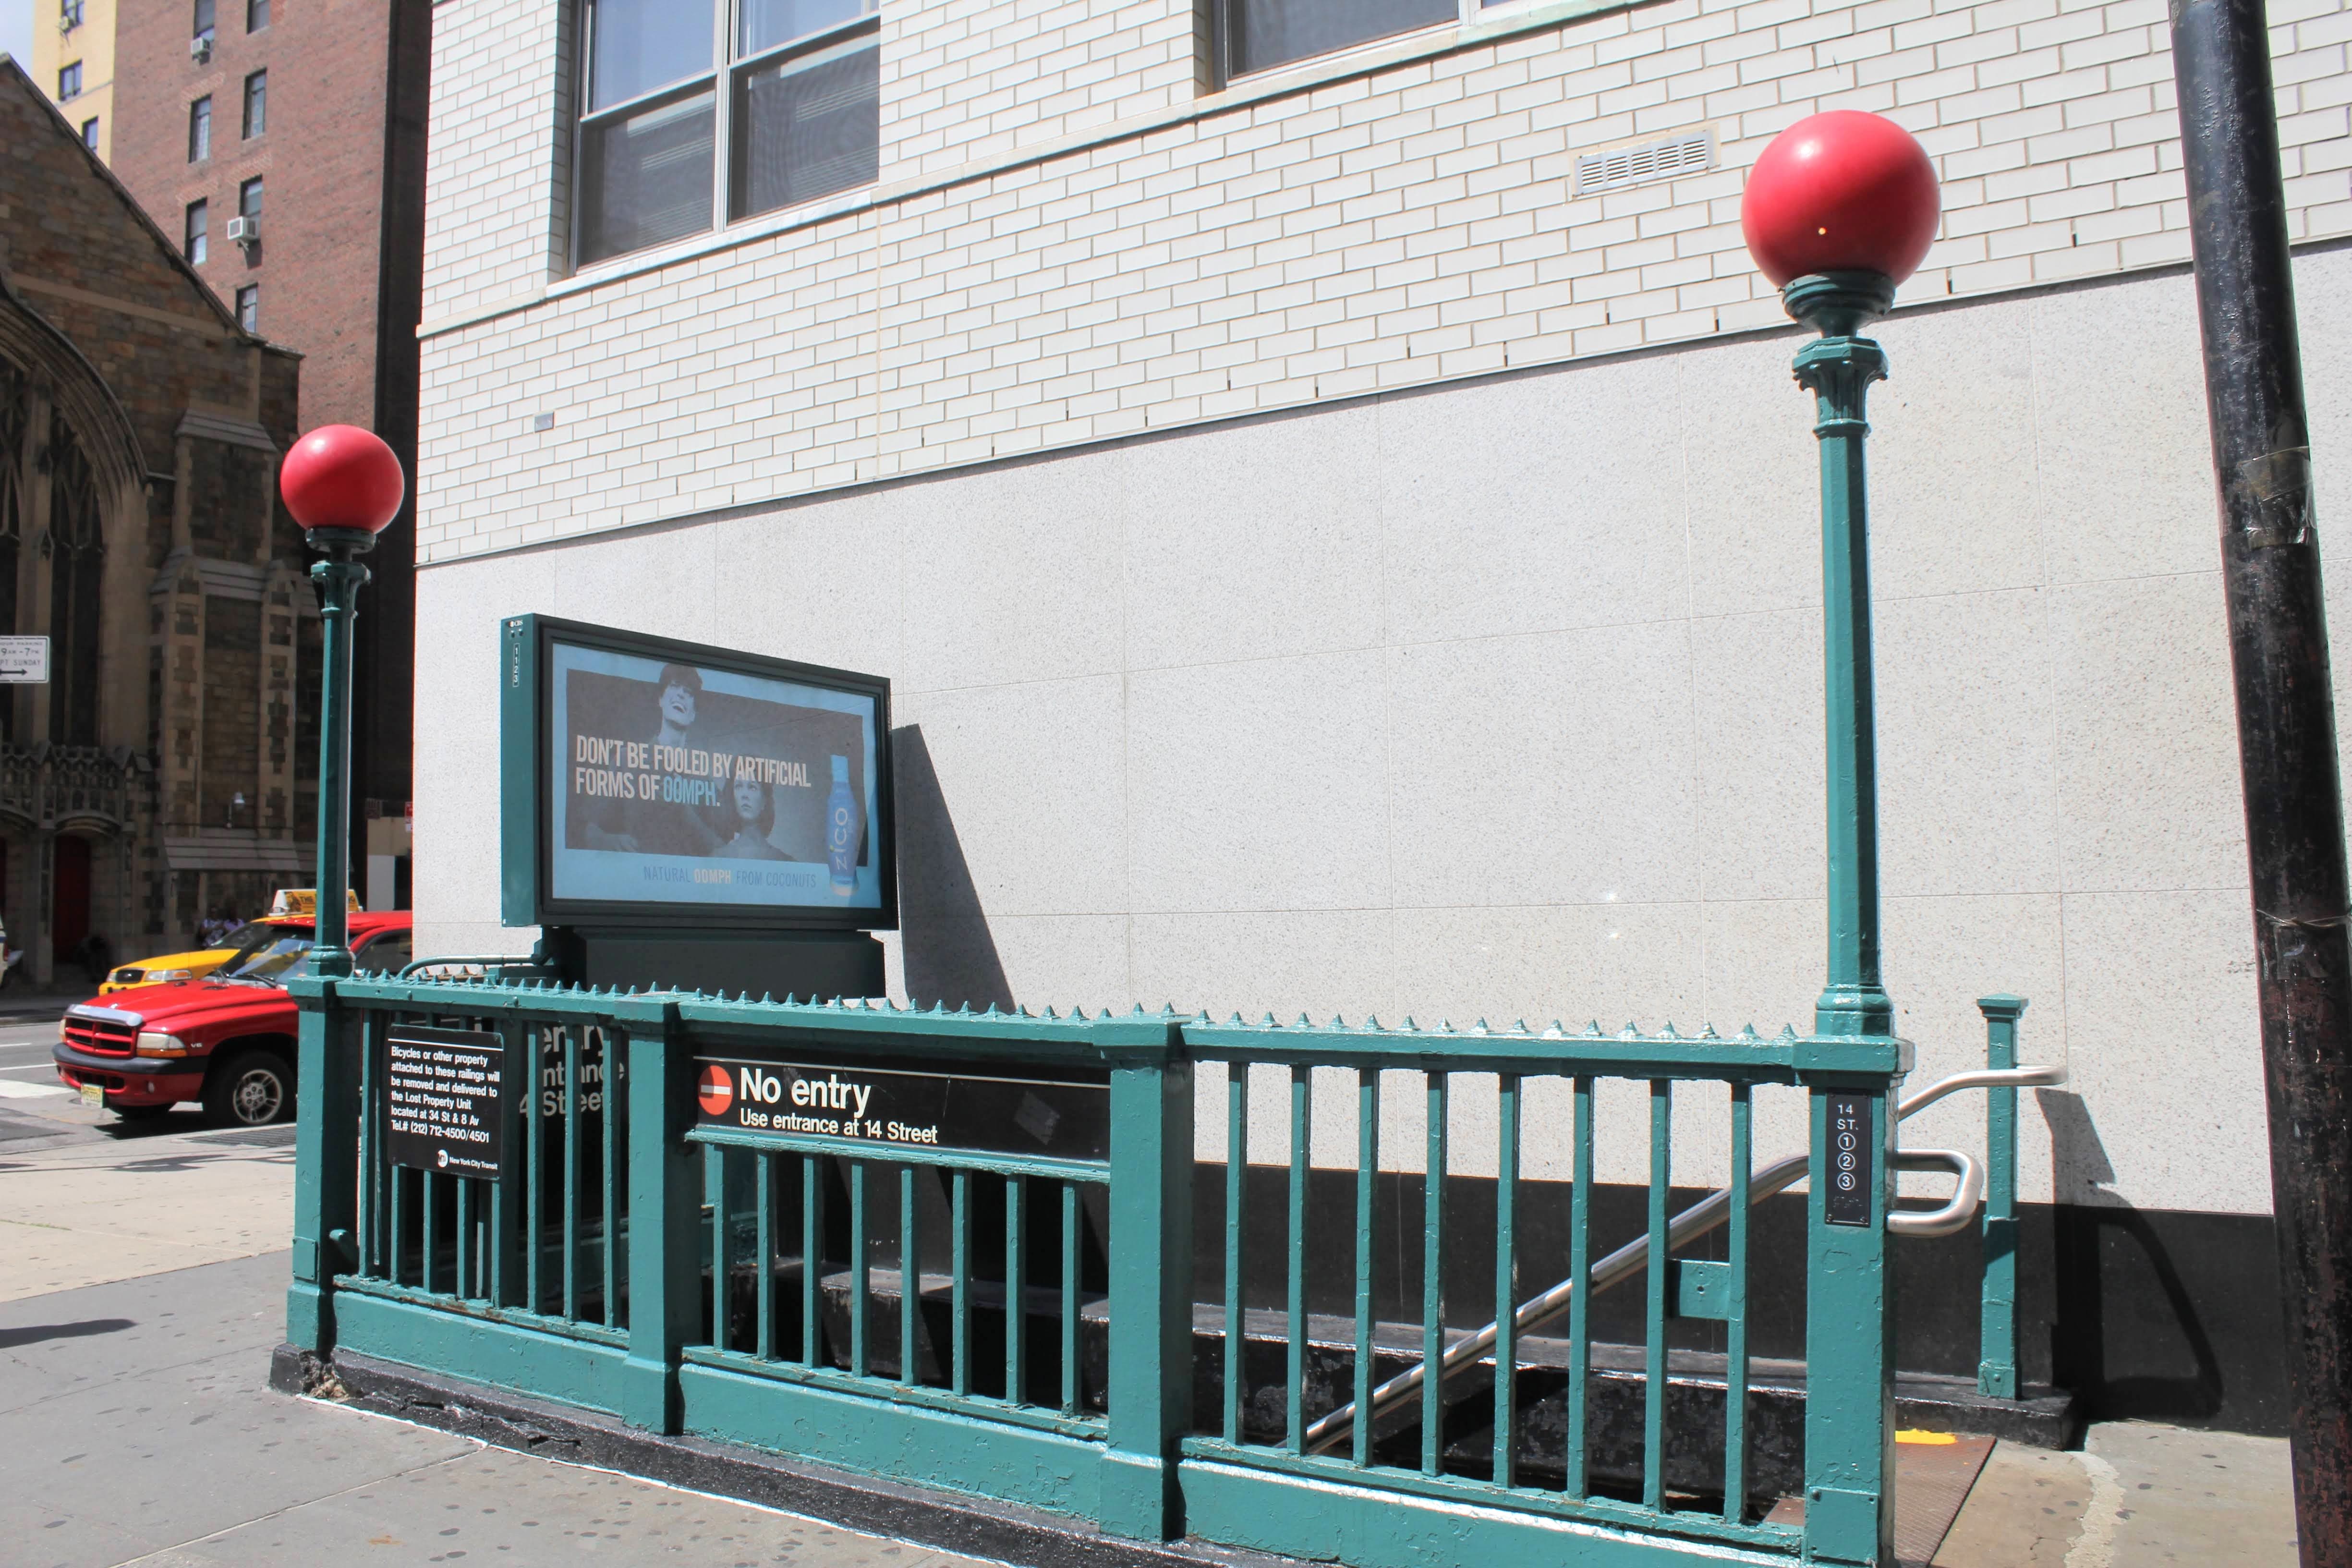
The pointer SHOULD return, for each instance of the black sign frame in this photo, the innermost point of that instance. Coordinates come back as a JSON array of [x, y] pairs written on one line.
[[905, 1109], [462, 1129], [1848, 1127]]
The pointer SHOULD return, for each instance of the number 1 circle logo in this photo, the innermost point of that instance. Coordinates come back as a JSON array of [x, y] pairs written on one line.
[[715, 1091]]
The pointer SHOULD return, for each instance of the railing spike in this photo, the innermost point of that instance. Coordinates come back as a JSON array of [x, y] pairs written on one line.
[[1632, 1031], [1668, 1032], [1749, 1037], [1592, 1029], [1556, 1031], [1372, 1023], [1521, 1026], [1480, 1027], [1409, 1027], [1445, 1026], [1337, 1022], [1787, 1032], [1302, 1023], [1708, 1033]]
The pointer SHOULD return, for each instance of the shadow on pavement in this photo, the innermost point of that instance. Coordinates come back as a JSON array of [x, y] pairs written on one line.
[[40, 1333]]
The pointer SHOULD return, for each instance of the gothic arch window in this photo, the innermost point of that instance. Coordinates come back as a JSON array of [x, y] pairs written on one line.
[[74, 544]]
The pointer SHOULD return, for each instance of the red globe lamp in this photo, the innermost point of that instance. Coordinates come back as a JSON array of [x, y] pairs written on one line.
[[344, 481], [1840, 208]]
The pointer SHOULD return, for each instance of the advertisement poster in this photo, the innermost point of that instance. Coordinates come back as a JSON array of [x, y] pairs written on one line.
[[678, 784]]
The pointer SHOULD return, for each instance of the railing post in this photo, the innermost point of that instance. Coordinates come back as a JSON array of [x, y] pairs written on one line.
[[1997, 1360], [665, 1217], [1849, 1330], [1151, 1327], [326, 1161]]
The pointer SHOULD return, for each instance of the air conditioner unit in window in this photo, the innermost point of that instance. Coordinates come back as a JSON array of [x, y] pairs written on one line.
[[66, 23], [200, 47], [244, 231]]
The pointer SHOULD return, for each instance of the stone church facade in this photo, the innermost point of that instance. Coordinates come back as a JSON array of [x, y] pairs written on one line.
[[153, 779]]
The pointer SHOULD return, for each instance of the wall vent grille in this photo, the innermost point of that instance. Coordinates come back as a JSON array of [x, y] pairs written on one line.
[[1665, 159]]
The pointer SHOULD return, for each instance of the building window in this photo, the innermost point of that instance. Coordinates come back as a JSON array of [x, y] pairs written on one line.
[[202, 26], [248, 308], [796, 106], [249, 198], [89, 133], [69, 82], [192, 245], [68, 15], [257, 104], [256, 14], [200, 130], [1260, 34]]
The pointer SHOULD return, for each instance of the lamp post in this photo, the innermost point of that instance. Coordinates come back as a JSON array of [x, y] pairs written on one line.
[[344, 485], [1838, 210]]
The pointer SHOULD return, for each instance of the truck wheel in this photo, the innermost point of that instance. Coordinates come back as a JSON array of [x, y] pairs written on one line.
[[252, 1088]]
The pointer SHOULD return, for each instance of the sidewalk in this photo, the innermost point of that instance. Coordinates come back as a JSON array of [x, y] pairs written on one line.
[[136, 1427]]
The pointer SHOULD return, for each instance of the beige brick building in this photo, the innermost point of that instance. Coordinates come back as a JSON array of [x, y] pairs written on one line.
[[1337, 517]]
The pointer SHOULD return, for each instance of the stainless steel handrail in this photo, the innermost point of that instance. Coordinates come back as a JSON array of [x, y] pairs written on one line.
[[1956, 1214], [1696, 1221]]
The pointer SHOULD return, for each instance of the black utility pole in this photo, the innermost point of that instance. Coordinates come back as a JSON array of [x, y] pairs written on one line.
[[2286, 723]]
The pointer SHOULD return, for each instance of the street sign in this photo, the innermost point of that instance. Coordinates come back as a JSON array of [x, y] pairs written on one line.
[[907, 1109], [446, 1102], [24, 661]]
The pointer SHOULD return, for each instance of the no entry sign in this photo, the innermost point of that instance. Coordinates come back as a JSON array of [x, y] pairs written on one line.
[[879, 1109]]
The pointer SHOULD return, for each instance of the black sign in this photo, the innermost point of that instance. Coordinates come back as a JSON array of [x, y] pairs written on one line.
[[907, 1109], [446, 1100], [1848, 1200]]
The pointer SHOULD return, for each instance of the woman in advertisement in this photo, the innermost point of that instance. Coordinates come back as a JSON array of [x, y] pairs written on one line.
[[754, 818]]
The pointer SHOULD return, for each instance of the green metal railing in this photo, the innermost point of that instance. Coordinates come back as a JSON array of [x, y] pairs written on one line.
[[1032, 1330], [550, 1249]]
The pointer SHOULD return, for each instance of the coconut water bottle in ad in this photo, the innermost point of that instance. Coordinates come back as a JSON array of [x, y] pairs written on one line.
[[841, 831]]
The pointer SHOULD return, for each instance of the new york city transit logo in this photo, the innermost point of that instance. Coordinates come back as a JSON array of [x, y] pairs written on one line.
[[715, 1090]]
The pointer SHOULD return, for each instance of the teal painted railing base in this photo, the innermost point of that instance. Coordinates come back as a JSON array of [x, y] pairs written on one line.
[[895, 1442], [499, 1355], [1372, 1527]]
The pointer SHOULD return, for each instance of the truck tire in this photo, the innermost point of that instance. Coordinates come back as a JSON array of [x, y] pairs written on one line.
[[252, 1088]]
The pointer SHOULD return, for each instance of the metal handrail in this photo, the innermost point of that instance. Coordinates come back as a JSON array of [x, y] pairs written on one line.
[[1696, 1221], [1956, 1213]]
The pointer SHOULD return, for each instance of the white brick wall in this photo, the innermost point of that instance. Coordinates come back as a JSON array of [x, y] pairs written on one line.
[[968, 81], [1191, 259]]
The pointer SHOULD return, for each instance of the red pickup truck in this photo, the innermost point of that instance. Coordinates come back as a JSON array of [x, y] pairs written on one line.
[[226, 1040]]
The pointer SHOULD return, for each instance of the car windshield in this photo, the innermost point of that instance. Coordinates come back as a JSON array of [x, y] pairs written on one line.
[[250, 934], [280, 956]]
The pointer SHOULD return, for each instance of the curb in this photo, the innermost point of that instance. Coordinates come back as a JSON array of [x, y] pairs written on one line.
[[889, 1510]]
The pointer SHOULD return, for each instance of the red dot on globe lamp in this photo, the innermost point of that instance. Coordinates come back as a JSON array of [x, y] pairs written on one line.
[[342, 478], [1841, 191]]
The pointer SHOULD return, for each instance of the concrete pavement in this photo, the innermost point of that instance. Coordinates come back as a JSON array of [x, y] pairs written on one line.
[[135, 1429]]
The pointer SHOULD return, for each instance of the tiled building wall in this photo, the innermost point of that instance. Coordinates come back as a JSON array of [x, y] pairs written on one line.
[[1389, 224]]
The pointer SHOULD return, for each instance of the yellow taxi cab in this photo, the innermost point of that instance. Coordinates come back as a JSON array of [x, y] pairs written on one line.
[[294, 903]]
